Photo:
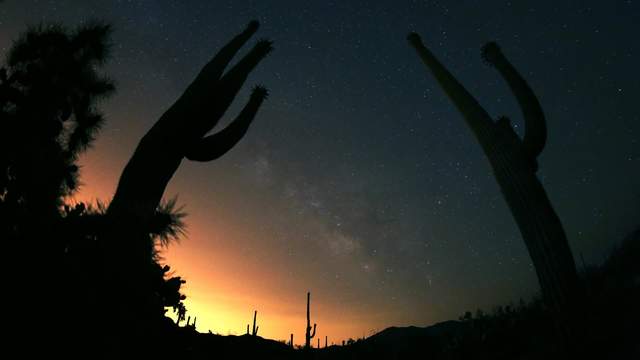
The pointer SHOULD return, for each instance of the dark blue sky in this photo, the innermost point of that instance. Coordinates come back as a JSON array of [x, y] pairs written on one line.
[[359, 180]]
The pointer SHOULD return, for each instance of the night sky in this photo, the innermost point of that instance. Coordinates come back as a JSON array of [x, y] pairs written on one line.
[[359, 180]]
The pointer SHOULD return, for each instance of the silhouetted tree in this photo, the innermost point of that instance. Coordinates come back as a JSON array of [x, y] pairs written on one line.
[[50, 85], [49, 91]]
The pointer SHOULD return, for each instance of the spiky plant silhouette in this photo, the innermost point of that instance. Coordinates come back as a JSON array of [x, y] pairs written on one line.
[[49, 92], [514, 163], [50, 87]]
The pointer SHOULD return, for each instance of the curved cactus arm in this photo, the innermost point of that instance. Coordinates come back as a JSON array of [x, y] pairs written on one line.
[[216, 145], [475, 115], [209, 95], [535, 135], [216, 66], [236, 76], [313, 333]]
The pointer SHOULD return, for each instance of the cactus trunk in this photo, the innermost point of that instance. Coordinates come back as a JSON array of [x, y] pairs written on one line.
[[514, 165]]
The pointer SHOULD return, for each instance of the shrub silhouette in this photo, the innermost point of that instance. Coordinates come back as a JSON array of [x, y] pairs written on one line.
[[49, 91]]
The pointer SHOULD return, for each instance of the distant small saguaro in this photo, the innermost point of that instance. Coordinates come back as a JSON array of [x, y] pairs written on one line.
[[254, 330], [308, 333]]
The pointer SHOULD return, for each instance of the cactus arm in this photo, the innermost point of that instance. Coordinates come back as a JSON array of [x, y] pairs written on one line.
[[208, 97], [233, 80], [216, 66], [474, 114], [535, 135], [216, 145], [313, 333]]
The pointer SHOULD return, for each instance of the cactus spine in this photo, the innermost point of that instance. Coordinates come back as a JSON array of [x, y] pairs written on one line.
[[514, 165], [309, 334]]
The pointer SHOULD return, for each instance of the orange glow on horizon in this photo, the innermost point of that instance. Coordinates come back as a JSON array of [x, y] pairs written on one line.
[[225, 285]]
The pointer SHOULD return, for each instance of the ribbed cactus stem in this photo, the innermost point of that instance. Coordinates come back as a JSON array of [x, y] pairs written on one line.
[[514, 166]]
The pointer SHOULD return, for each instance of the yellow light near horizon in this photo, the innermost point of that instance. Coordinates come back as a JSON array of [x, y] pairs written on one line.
[[225, 285]]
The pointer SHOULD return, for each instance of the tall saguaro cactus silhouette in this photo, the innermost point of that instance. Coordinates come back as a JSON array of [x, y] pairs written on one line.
[[514, 165], [254, 330], [181, 132]]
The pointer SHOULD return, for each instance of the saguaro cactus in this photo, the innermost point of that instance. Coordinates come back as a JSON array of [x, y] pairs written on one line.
[[308, 333], [514, 165], [181, 132], [254, 330]]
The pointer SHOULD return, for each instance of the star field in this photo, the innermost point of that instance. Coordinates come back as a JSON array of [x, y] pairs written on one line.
[[359, 180]]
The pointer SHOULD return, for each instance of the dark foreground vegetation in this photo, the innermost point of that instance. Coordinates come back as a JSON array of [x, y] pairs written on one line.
[[87, 281]]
